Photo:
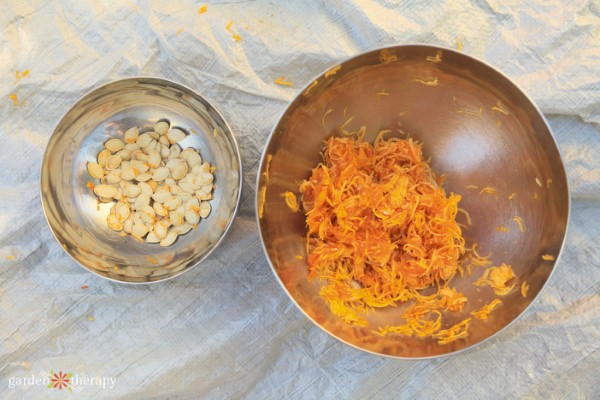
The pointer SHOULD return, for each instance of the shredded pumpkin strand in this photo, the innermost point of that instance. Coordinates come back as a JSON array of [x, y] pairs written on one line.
[[381, 228]]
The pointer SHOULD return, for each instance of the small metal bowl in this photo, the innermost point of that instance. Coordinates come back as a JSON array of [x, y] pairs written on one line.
[[78, 221], [478, 128]]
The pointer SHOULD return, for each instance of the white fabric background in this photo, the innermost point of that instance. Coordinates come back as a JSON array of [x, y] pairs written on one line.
[[226, 329]]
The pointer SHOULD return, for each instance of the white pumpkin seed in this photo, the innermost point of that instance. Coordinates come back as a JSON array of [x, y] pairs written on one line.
[[192, 217], [182, 229], [131, 135], [141, 166], [179, 171], [184, 197], [177, 218], [175, 190], [141, 201], [154, 135], [154, 159], [160, 174], [205, 167], [164, 141], [205, 209], [95, 170], [152, 238], [139, 230], [151, 146], [103, 156], [131, 147], [193, 159], [175, 135], [124, 154], [169, 238], [128, 173], [164, 150], [159, 209], [146, 176], [172, 202], [122, 211], [114, 145], [137, 219], [131, 190], [207, 188], [144, 140], [161, 127], [203, 195], [145, 188], [147, 214], [105, 191], [162, 194], [139, 155], [114, 223], [186, 186], [128, 224], [175, 151], [113, 162], [160, 229]]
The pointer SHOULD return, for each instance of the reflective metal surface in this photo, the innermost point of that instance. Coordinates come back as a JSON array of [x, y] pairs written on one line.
[[478, 128], [71, 209]]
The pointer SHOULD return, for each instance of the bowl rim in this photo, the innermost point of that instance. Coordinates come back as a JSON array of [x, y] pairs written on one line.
[[433, 47], [178, 86]]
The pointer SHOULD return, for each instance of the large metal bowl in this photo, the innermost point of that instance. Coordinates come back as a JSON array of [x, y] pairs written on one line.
[[71, 209], [477, 127]]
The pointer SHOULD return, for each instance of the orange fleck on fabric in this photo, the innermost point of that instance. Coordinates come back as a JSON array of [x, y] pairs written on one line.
[[14, 98], [202, 9], [281, 81], [20, 75], [234, 35], [524, 289], [548, 257], [501, 228], [459, 45]]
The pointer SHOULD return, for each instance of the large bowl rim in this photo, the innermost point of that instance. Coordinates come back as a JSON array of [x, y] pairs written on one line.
[[525, 96], [178, 86]]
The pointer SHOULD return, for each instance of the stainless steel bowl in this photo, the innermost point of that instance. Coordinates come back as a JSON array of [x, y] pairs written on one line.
[[477, 127], [72, 210]]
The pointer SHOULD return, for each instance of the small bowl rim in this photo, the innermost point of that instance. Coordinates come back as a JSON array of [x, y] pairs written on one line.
[[237, 153], [433, 48]]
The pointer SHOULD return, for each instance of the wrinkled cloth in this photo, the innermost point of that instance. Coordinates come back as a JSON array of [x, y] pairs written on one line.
[[226, 329]]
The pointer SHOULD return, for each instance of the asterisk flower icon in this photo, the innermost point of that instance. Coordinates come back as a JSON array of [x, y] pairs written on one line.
[[60, 380]]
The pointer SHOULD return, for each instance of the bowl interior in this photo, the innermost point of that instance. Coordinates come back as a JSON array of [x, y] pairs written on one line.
[[78, 220], [477, 127]]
